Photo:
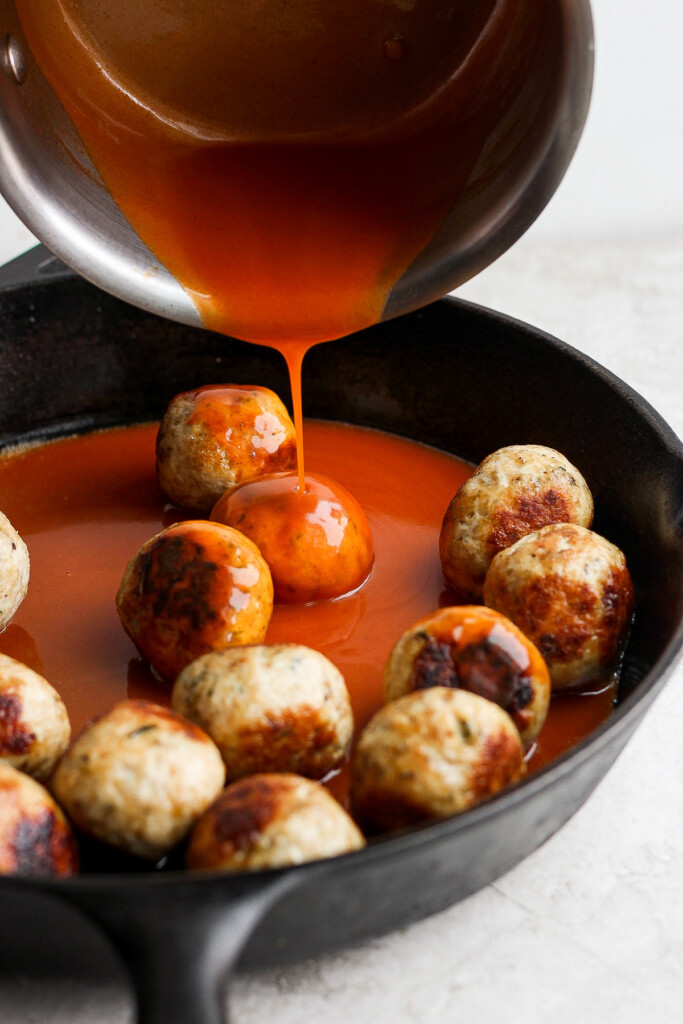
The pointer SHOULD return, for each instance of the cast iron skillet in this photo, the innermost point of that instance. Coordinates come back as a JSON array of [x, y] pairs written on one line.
[[455, 376]]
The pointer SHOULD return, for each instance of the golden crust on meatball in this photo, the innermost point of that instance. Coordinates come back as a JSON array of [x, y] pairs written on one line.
[[138, 777], [14, 570], [217, 436], [271, 821], [431, 754], [473, 648], [514, 491], [34, 724], [193, 588], [569, 590], [36, 840], [277, 708]]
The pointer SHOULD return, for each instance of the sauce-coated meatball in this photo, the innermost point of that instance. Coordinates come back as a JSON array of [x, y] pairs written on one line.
[[138, 777], [476, 649], [34, 724], [271, 821], [218, 436], [431, 754], [279, 708], [318, 544], [36, 841], [514, 491], [570, 592], [14, 570], [193, 588]]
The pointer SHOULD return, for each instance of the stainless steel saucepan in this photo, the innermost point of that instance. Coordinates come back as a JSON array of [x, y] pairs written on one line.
[[48, 178]]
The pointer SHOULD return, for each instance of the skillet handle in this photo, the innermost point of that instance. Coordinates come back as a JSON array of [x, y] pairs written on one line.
[[181, 941]]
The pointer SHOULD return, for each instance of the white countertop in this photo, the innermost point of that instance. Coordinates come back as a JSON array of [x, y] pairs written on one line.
[[590, 927]]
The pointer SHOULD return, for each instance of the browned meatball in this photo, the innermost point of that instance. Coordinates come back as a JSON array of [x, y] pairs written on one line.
[[218, 436], [271, 821], [276, 708], [15, 569], [514, 491], [35, 837], [34, 724], [195, 587], [476, 649], [137, 777], [570, 592], [431, 754]]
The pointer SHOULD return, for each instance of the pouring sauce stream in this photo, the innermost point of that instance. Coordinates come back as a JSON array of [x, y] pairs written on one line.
[[286, 170]]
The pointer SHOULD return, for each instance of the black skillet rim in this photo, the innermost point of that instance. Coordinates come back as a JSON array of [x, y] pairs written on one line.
[[625, 716]]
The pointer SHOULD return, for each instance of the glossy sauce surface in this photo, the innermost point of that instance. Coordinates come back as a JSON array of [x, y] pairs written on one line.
[[312, 533], [85, 505], [287, 170]]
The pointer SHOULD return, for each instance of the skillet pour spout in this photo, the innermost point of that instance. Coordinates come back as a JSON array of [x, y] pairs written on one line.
[[75, 359]]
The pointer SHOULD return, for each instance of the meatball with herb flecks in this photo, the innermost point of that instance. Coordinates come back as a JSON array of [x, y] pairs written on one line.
[[431, 754], [138, 777], [14, 570], [514, 491], [36, 840], [218, 436], [34, 724], [271, 821], [473, 648], [277, 708], [193, 588], [569, 590]]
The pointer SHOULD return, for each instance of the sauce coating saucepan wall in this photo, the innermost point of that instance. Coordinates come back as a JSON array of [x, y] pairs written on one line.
[[452, 375]]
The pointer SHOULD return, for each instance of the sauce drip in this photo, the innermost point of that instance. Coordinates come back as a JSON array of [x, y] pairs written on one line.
[[85, 505], [286, 169]]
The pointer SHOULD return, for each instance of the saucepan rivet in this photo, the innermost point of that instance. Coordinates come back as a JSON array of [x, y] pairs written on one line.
[[13, 61]]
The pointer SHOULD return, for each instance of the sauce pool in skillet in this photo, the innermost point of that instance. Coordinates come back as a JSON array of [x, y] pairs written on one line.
[[287, 171], [287, 167], [84, 505]]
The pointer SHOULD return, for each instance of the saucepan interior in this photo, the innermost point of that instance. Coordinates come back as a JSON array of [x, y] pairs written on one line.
[[454, 376]]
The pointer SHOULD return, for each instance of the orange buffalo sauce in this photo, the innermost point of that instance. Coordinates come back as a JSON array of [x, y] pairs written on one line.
[[287, 169], [287, 163], [85, 505]]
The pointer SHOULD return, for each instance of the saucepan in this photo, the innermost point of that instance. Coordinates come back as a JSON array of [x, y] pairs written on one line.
[[452, 375], [48, 177]]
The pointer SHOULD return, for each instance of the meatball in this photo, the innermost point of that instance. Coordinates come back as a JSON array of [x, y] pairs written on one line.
[[431, 754], [271, 821], [570, 592], [318, 544], [14, 570], [138, 777], [513, 492], [280, 708], [475, 649], [34, 724], [195, 587], [218, 436], [35, 838]]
